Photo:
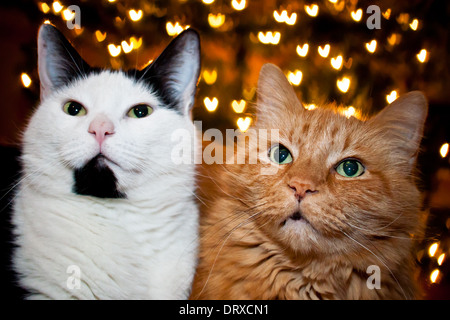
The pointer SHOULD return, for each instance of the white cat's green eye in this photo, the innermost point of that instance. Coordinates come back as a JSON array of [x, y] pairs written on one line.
[[350, 168], [140, 111], [280, 154], [74, 109]]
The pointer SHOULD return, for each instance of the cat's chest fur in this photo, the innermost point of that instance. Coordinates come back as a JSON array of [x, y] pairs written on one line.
[[121, 249], [248, 263], [104, 208]]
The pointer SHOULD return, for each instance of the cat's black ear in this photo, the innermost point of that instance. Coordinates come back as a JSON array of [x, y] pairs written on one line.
[[274, 93], [174, 74], [58, 62], [404, 121]]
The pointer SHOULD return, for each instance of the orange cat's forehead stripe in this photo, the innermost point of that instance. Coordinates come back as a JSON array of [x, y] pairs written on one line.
[[334, 132], [305, 129]]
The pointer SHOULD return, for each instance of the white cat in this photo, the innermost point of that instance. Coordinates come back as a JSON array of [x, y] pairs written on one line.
[[102, 211]]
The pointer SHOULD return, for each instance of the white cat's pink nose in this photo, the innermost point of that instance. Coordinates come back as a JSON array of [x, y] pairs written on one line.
[[101, 127]]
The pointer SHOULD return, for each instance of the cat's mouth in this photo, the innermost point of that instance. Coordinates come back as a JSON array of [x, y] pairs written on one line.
[[296, 216], [96, 179], [104, 160], [298, 220]]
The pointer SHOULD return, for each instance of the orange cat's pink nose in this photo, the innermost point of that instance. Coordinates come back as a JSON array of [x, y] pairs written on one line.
[[101, 127], [301, 188]]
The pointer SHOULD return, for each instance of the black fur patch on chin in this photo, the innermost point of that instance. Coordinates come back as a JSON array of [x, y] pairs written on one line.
[[97, 180]]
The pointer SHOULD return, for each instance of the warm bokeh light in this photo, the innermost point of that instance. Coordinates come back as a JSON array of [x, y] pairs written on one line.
[[392, 96], [349, 112], [302, 51], [211, 104], [174, 29], [269, 37], [312, 10], [57, 7], [284, 17], [403, 18], [135, 15], [280, 17], [393, 38], [238, 106], [68, 14], [336, 62], [324, 51], [422, 56], [238, 4], [371, 46], [209, 77], [291, 20], [357, 15], [244, 123], [434, 275], [414, 24], [136, 42], [26, 80], [295, 78], [44, 7], [78, 31], [310, 106], [432, 249], [441, 258], [216, 20], [343, 84], [249, 93], [114, 50], [100, 36], [444, 150], [126, 47]]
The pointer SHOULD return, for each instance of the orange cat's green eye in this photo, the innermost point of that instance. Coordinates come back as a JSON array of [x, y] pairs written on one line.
[[350, 168], [280, 154]]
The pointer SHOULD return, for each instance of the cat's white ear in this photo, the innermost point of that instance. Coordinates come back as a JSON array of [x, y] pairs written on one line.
[[58, 62], [275, 94], [174, 74], [404, 120]]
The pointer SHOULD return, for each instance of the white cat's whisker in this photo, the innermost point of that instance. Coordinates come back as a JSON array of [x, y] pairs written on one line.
[[36, 174]]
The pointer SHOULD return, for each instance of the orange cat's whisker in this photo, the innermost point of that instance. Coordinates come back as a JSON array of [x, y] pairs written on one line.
[[221, 247], [379, 259]]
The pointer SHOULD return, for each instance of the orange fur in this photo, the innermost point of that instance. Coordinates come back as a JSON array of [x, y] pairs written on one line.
[[252, 249]]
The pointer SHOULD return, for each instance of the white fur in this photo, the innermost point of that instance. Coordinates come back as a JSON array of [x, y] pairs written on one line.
[[141, 247]]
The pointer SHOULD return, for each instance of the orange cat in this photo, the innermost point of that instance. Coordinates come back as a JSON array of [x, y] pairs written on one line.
[[333, 216]]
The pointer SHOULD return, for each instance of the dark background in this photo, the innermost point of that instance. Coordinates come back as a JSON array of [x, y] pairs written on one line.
[[234, 52]]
